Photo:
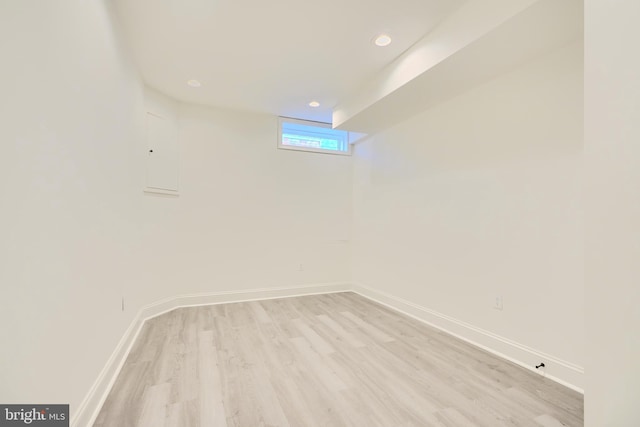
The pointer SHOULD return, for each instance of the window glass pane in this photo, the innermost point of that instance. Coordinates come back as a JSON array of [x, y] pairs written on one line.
[[314, 137]]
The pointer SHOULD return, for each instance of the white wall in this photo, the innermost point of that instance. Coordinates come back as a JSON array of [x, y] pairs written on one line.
[[69, 196], [481, 197], [248, 215], [77, 232], [612, 159]]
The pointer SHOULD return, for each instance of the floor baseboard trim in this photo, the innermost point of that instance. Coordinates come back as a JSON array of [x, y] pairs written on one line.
[[558, 370], [193, 300], [90, 407]]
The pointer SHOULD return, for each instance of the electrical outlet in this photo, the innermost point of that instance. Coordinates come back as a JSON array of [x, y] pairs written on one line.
[[498, 303], [300, 267]]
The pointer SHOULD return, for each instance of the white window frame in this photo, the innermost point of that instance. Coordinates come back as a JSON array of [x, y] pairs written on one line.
[[281, 146]]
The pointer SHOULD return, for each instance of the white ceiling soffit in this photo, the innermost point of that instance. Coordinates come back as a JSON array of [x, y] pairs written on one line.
[[271, 56], [478, 42]]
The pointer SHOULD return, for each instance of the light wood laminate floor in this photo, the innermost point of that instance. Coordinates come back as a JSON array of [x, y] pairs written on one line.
[[323, 360]]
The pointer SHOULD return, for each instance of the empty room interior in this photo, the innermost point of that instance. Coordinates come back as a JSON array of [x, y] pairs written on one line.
[[346, 213]]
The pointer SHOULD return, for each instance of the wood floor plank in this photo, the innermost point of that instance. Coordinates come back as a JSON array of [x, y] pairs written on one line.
[[154, 406], [184, 414], [367, 327], [322, 360], [547, 420], [318, 343], [323, 373], [339, 331], [210, 409], [259, 312]]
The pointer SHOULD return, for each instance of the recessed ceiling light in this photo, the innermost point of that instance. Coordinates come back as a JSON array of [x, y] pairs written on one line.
[[194, 83], [314, 104], [383, 40]]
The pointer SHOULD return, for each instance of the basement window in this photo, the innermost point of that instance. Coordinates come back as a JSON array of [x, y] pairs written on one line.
[[303, 135]]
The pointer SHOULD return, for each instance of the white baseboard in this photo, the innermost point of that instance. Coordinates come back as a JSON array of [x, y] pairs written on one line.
[[92, 403], [556, 369], [86, 413]]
